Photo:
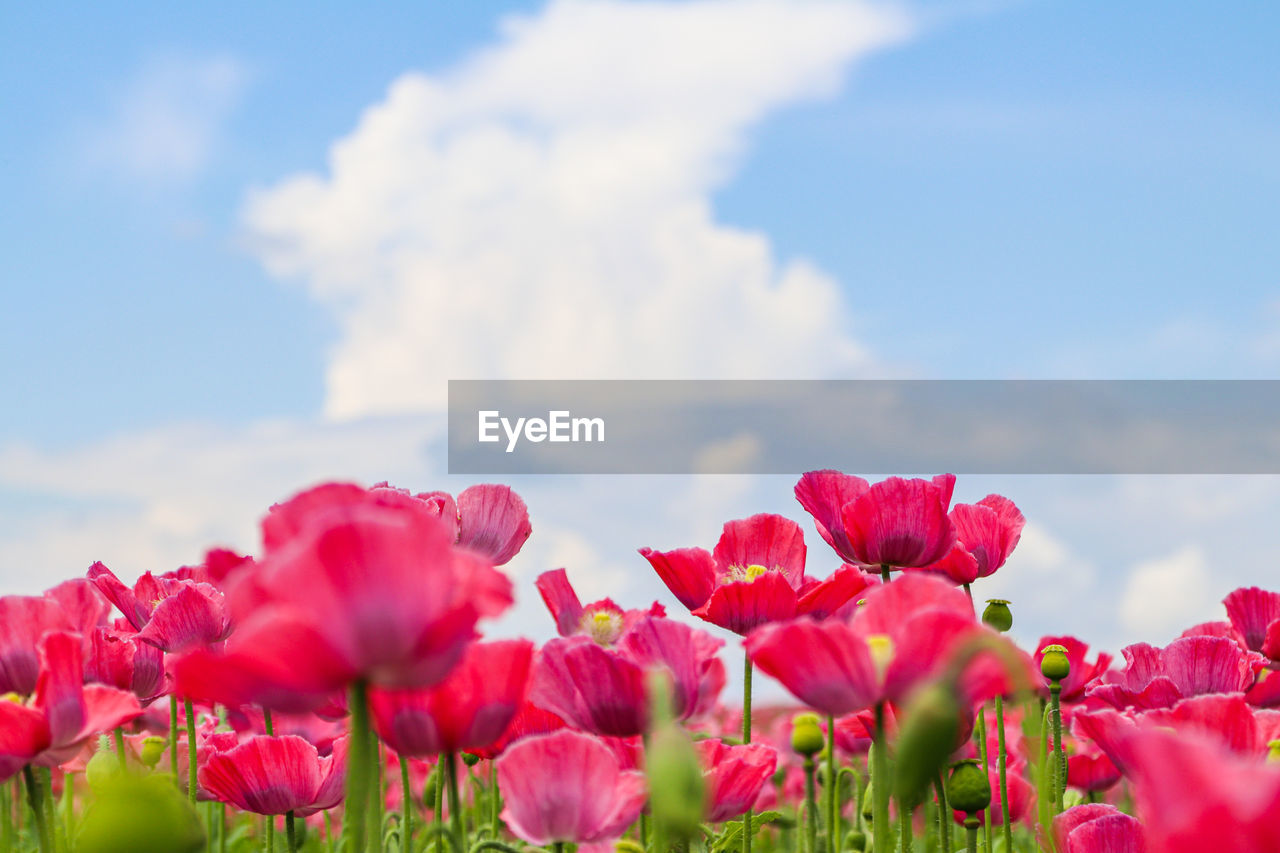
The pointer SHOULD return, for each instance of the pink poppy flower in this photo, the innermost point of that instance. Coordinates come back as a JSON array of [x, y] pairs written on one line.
[[567, 787], [488, 519], [604, 690], [1097, 828], [1190, 666], [116, 658], [84, 606], [274, 776], [986, 534], [469, 710], [1083, 673], [754, 576], [896, 523], [603, 621], [168, 613], [734, 775], [23, 620], [1193, 797], [219, 564], [902, 636], [1091, 771], [63, 714], [1255, 613], [372, 590]]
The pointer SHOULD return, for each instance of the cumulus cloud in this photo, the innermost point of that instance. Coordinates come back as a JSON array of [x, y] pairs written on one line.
[[1165, 595], [543, 209], [165, 123]]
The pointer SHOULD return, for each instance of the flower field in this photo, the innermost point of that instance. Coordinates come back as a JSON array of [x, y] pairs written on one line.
[[336, 692]]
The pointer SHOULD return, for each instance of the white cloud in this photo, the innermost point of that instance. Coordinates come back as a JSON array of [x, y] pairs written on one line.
[[544, 208], [1168, 594], [165, 123]]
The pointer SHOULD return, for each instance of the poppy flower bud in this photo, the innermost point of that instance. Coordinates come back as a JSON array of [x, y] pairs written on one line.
[[1054, 665], [806, 734], [930, 727], [997, 615], [431, 788], [470, 759], [152, 749], [101, 768], [677, 789], [1273, 752], [968, 789], [855, 840]]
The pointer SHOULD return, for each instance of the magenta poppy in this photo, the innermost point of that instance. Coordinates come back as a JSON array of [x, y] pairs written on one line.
[[469, 710], [118, 659], [567, 787], [734, 775], [1255, 613], [895, 524], [1189, 666], [603, 621], [1091, 771], [274, 776], [63, 714], [754, 576], [23, 620], [529, 720], [1097, 828], [605, 690], [168, 613], [986, 534]]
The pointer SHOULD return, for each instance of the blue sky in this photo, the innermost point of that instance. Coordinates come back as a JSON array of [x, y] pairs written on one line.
[[195, 286]]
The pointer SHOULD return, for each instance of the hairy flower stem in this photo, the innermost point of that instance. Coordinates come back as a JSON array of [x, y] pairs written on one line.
[[35, 797], [439, 806], [810, 807], [192, 765], [270, 821], [291, 833], [358, 766], [406, 806], [746, 738], [944, 812], [119, 738], [982, 750], [833, 790], [1002, 761], [455, 801], [496, 822], [880, 785], [904, 822], [173, 736], [1055, 690]]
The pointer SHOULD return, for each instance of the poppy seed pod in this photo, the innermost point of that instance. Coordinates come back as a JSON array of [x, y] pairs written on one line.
[[1055, 665], [806, 734], [997, 615], [968, 789], [152, 749]]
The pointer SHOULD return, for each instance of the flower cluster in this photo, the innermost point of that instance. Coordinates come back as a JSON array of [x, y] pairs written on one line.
[[336, 691]]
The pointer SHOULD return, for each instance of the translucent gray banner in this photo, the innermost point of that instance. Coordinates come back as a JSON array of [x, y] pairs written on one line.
[[868, 426]]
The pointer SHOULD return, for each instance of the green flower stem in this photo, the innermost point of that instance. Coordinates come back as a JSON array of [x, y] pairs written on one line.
[[746, 738], [267, 724], [173, 736], [497, 799], [833, 792], [904, 822], [944, 812], [971, 829], [291, 833], [377, 800], [810, 807], [222, 827], [35, 796], [358, 766], [191, 749], [968, 592], [69, 806], [880, 785], [406, 806], [120, 745], [1055, 690], [1002, 760], [270, 833], [982, 750], [439, 806], [6, 816], [455, 801], [50, 819], [884, 572]]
